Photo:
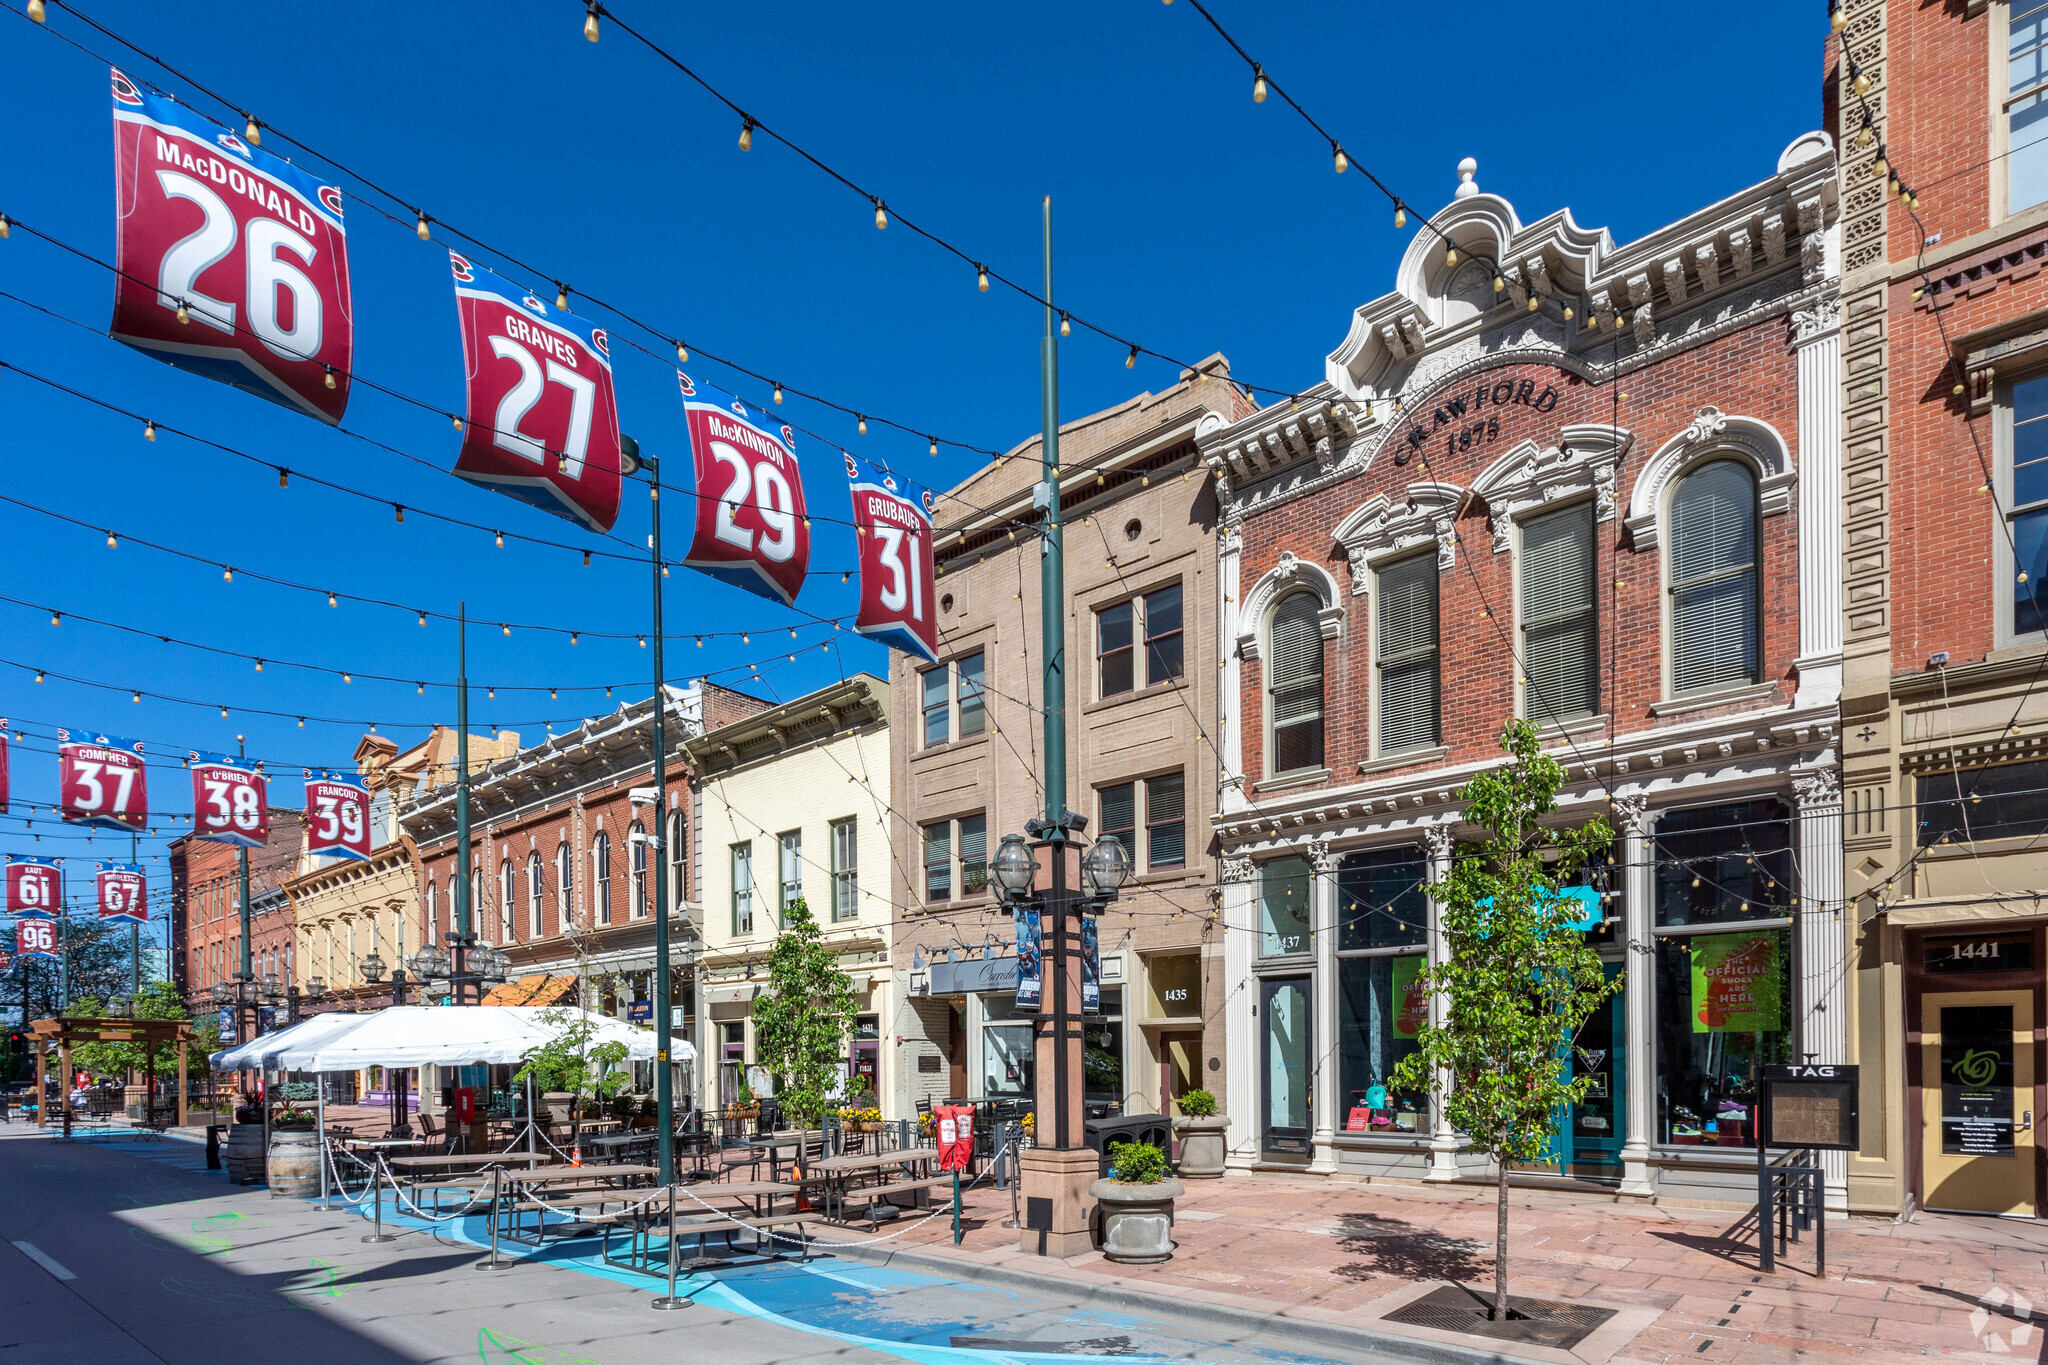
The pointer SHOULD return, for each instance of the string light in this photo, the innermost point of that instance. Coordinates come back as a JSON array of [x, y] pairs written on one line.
[[253, 134], [682, 353], [1066, 327], [500, 538], [1861, 81], [302, 722], [778, 394], [1131, 360], [643, 641], [227, 575], [747, 136], [490, 694], [862, 423], [259, 665], [333, 601], [586, 559], [981, 276], [346, 678], [1343, 161], [398, 510], [590, 21], [184, 314], [933, 452], [1400, 215], [1258, 84], [39, 675], [56, 619], [37, 13], [112, 543], [149, 431], [5, 227], [135, 697], [574, 637], [421, 226], [1836, 19], [881, 215], [1450, 255]]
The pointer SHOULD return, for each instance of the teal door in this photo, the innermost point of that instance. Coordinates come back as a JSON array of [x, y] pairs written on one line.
[[1587, 1143]]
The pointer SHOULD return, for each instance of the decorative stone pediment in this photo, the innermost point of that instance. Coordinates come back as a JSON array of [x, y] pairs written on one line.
[[1529, 476], [1383, 528], [1711, 433], [1289, 573]]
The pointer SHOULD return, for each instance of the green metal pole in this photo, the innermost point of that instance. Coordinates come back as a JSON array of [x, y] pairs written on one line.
[[1051, 572], [664, 1086], [246, 972], [135, 931], [460, 957]]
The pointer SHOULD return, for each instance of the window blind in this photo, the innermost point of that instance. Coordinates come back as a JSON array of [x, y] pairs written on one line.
[[1408, 654], [1714, 579], [1296, 691], [1560, 619]]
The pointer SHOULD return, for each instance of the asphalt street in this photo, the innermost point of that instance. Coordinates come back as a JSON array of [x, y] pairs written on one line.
[[135, 1253]]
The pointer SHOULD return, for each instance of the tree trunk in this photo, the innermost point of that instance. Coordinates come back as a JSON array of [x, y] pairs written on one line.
[[1500, 1249]]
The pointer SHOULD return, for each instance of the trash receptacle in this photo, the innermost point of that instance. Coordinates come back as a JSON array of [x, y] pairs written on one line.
[[1156, 1129]]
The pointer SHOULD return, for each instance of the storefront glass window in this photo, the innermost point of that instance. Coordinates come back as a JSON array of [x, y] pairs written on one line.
[[1283, 907], [1724, 864], [1102, 1057], [1381, 1007], [1007, 1052], [1724, 1010], [1379, 899]]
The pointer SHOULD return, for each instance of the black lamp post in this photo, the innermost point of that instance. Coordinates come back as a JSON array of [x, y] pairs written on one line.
[[373, 972], [315, 989], [468, 966]]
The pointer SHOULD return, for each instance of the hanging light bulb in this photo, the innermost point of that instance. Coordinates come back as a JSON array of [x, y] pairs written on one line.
[[552, 696], [1567, 312], [881, 215], [183, 314], [399, 510], [574, 637], [1533, 301], [862, 423], [561, 296], [1400, 215], [981, 276], [1882, 166], [747, 136], [643, 641], [455, 421], [778, 395], [700, 642], [505, 628], [253, 134], [1835, 17], [1258, 84], [37, 13], [421, 226], [1066, 327], [934, 451], [1343, 161], [1450, 255], [420, 688], [135, 697], [149, 431], [5, 226], [501, 538], [1593, 321], [1131, 360], [1918, 293], [284, 477], [590, 21], [39, 675], [1863, 135], [1861, 81], [56, 619], [1499, 284], [259, 665], [227, 575], [586, 559], [112, 543]]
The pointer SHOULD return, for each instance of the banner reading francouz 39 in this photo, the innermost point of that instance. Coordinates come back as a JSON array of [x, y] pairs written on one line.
[[892, 519], [337, 815]]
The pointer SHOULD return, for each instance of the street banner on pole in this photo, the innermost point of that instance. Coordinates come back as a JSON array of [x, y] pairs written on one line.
[[1091, 966], [337, 815], [229, 262], [36, 938], [35, 886], [543, 421], [3, 764], [752, 529], [892, 520], [1030, 961], [101, 781], [230, 801], [122, 892]]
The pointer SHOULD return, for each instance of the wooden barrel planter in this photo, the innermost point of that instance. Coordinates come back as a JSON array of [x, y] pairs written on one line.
[[294, 1163], [245, 1155]]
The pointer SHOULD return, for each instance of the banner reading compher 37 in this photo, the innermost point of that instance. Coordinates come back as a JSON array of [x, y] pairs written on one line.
[[230, 262]]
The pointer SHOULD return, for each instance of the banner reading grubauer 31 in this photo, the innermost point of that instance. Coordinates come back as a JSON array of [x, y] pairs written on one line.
[[892, 520], [543, 421], [752, 530], [230, 262]]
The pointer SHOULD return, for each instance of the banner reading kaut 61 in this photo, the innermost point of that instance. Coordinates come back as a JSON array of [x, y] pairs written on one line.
[[230, 801], [752, 530], [35, 887], [122, 892], [892, 520], [543, 421], [230, 262], [337, 815], [101, 781]]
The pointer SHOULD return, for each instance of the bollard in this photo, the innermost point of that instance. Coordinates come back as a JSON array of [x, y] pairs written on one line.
[[497, 1181], [377, 1205], [212, 1147], [670, 1300]]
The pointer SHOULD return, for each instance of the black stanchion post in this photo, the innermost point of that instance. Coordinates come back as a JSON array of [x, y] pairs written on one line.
[[497, 1186], [670, 1299], [377, 1206]]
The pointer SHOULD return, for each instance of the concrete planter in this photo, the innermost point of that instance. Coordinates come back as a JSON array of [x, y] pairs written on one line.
[[1136, 1220], [1201, 1146], [557, 1103]]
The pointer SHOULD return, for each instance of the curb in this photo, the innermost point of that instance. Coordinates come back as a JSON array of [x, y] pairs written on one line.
[[1378, 1346]]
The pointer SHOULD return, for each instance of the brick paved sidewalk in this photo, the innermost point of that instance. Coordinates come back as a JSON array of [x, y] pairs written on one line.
[[1329, 1251]]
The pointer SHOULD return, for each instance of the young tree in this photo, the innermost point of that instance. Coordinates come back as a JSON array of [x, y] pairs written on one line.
[[1516, 983], [801, 1021], [159, 1000], [569, 1062]]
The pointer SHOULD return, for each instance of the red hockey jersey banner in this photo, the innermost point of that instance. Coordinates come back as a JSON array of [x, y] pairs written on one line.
[[892, 520], [101, 781], [230, 262], [543, 422], [337, 816], [35, 887], [752, 530], [122, 892], [230, 801], [36, 938]]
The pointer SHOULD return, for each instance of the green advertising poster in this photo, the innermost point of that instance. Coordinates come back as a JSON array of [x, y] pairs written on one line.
[[1738, 985], [1411, 1001]]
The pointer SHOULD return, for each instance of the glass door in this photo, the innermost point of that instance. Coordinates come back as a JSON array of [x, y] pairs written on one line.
[[1587, 1140], [1284, 1005], [1976, 1102]]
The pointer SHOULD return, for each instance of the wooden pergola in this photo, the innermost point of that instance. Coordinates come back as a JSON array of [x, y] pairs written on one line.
[[66, 1031]]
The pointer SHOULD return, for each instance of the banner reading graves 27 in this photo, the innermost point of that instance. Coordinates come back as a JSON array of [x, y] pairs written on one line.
[[230, 262], [337, 815], [101, 781], [892, 519], [543, 421], [230, 801], [752, 529]]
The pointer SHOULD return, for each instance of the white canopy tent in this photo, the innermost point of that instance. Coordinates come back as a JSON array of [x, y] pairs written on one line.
[[261, 1053], [432, 1035]]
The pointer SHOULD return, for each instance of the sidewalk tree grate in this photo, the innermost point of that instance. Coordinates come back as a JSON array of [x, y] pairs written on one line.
[[1535, 1322]]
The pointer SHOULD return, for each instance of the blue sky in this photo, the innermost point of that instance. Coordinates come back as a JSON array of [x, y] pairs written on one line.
[[1187, 217]]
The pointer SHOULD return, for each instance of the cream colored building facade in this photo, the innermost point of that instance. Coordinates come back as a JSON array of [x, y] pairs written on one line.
[[792, 802]]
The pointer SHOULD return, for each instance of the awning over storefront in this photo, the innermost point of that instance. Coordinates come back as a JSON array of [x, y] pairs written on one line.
[[730, 995], [1923, 915], [541, 989], [982, 975]]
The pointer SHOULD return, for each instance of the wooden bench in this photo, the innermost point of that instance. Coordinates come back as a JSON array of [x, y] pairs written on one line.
[[701, 1225], [877, 1194]]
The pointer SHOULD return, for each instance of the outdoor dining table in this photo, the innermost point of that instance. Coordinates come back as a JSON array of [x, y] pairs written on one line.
[[525, 1192], [840, 1171], [448, 1164]]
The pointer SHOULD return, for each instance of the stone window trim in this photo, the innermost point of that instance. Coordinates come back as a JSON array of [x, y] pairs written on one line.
[[1386, 529], [1530, 479], [1712, 435], [1290, 573]]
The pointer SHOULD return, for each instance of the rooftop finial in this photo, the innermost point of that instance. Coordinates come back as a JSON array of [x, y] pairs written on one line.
[[1467, 187]]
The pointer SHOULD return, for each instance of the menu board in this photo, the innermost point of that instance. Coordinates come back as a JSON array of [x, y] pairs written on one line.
[[1977, 1080]]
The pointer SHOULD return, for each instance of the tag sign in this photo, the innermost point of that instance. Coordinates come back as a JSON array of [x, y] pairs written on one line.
[[1809, 1106], [250, 248], [122, 892], [101, 781], [36, 938], [892, 520], [338, 816], [543, 421], [230, 801], [752, 529], [34, 887]]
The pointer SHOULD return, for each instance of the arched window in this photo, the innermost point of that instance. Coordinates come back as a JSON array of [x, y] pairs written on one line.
[[508, 896], [454, 906], [533, 886], [433, 911], [1714, 607], [636, 844], [1294, 686], [601, 876], [565, 884], [677, 891]]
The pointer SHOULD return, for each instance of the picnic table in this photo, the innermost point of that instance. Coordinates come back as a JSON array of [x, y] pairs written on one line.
[[448, 1164], [840, 1173], [692, 1212], [588, 1187]]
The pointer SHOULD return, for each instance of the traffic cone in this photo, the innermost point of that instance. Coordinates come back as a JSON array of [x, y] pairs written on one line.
[[576, 1154]]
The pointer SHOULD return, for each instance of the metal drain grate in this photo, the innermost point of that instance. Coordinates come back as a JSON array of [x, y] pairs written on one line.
[[1536, 1322]]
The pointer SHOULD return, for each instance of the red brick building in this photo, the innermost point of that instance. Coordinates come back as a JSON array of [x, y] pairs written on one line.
[[206, 924], [1589, 484], [1945, 579]]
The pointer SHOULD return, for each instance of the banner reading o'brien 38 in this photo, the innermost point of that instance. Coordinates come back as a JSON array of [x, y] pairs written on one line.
[[230, 801], [230, 262], [543, 422], [752, 530], [893, 520]]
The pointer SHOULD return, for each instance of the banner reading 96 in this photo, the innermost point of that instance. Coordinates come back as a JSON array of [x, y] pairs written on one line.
[[893, 521], [543, 422], [230, 801], [752, 530], [123, 893], [35, 887], [36, 938], [101, 781], [337, 816], [231, 263]]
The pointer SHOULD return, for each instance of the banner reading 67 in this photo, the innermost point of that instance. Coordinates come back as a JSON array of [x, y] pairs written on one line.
[[123, 892], [230, 801], [101, 781], [337, 816]]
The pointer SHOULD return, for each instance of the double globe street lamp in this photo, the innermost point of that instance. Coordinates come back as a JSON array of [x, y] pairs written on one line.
[[463, 969]]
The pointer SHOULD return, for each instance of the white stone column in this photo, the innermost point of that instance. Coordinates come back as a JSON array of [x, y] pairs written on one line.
[[1323, 1078], [1229, 722], [1240, 1002], [1639, 1019], [1443, 1143], [1817, 341], [1823, 1002]]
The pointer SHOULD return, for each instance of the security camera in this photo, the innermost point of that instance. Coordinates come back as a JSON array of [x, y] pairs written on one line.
[[644, 796]]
